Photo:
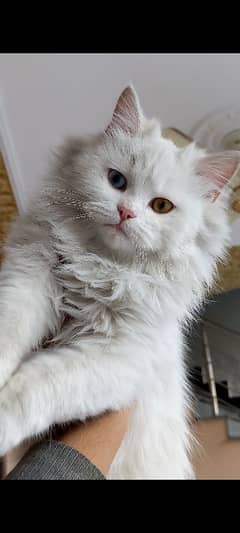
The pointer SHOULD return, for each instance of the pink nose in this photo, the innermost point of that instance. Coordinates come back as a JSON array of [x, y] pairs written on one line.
[[125, 213]]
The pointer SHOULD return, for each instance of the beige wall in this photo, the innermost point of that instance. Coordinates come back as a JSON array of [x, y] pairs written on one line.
[[219, 457]]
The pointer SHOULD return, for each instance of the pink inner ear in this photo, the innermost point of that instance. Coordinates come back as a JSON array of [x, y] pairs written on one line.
[[127, 113], [219, 168]]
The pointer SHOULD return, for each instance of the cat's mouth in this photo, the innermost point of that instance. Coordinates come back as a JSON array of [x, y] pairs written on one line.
[[118, 228]]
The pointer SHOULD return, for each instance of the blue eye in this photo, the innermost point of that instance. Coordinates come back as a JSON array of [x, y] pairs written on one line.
[[117, 180]]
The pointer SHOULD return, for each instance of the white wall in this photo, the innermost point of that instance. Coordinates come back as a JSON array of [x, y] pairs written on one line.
[[46, 96]]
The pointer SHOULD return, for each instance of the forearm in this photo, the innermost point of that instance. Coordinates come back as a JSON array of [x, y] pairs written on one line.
[[26, 313], [25, 302], [99, 439], [54, 461], [82, 452], [65, 385]]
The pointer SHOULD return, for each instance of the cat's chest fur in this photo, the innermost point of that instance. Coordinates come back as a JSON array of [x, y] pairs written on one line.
[[103, 297]]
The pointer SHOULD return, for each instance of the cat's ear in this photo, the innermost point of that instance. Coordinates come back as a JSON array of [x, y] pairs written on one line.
[[218, 169], [127, 115]]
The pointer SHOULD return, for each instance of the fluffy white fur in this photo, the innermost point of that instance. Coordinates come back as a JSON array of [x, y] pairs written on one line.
[[129, 297]]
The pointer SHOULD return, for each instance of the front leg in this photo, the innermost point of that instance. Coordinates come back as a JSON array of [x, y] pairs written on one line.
[[62, 385], [27, 295]]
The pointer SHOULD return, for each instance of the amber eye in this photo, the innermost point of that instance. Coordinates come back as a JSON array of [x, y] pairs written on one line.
[[162, 205]]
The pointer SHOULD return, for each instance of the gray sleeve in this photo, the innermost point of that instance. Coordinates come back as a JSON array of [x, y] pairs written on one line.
[[55, 461]]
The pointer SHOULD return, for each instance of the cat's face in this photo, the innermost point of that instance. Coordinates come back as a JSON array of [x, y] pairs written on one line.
[[138, 194], [141, 193]]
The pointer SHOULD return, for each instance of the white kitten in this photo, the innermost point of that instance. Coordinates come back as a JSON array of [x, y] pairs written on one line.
[[110, 264]]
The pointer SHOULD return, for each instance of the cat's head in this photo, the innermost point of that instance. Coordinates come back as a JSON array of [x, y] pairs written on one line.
[[140, 193]]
